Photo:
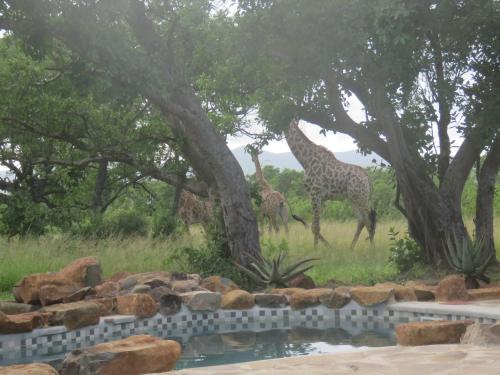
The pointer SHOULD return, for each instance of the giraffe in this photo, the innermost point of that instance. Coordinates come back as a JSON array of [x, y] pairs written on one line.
[[193, 210], [327, 178], [274, 202]]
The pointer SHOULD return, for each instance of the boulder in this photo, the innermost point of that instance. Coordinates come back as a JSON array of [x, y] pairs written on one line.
[[452, 288], [302, 281], [430, 333], [79, 295], [12, 308], [20, 323], [169, 301], [270, 300], [484, 293], [340, 297], [107, 289], [76, 314], [202, 301], [218, 284], [371, 295], [84, 271], [141, 354], [31, 369], [401, 293], [183, 286], [482, 334], [108, 305], [153, 279], [237, 300], [51, 294], [141, 288], [116, 277], [288, 292], [309, 297], [28, 290], [423, 292], [140, 305]]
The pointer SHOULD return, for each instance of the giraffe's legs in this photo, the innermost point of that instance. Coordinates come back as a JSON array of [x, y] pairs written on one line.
[[361, 224], [274, 223], [283, 212], [316, 206]]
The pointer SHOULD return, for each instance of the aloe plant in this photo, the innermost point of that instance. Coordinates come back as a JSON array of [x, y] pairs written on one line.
[[468, 258], [272, 272]]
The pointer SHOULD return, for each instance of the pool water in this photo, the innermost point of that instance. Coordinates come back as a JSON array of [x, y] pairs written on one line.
[[226, 348]]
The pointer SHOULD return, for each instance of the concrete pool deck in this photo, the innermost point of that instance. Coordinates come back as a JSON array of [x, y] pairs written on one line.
[[394, 360]]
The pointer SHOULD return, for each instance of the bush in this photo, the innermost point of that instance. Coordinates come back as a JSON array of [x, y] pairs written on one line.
[[164, 224], [405, 252], [125, 222]]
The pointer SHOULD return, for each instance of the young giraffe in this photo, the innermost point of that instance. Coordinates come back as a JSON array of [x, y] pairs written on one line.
[[327, 178], [193, 210], [274, 203]]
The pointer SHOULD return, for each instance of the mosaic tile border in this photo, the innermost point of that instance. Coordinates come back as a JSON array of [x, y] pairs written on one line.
[[54, 341]]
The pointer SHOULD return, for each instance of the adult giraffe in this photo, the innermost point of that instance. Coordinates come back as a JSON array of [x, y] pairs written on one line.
[[327, 178], [193, 210], [274, 203]]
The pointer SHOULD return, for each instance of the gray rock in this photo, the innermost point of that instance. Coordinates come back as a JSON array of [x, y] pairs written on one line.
[[169, 301], [271, 300], [183, 286], [482, 334], [128, 282], [12, 308], [141, 288], [202, 301]]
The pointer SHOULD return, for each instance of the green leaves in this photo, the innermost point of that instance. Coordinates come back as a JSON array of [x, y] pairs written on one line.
[[272, 272]]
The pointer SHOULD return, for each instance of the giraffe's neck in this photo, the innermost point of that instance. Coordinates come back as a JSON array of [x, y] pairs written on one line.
[[259, 176], [302, 148]]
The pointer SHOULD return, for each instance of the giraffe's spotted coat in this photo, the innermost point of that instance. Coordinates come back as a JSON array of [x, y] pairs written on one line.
[[327, 178], [193, 210]]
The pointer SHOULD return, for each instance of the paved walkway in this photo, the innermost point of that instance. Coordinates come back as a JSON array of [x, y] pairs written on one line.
[[394, 360]]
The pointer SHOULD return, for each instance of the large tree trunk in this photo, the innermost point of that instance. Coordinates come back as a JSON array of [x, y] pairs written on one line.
[[486, 196]]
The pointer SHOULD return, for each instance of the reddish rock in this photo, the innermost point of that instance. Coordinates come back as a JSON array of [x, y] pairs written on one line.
[[28, 289], [423, 292], [141, 354], [452, 288], [19, 323], [270, 300], [218, 284], [401, 293], [430, 333], [288, 292], [108, 305], [183, 286], [51, 294], [302, 281], [309, 297], [31, 369], [116, 277], [140, 305], [484, 293], [107, 289], [340, 297], [237, 300], [84, 271], [75, 315], [371, 295]]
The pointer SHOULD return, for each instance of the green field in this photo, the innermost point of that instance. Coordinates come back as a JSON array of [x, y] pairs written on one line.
[[364, 265]]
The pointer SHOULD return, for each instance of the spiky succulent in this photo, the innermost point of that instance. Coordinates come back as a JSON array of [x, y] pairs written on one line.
[[468, 258], [272, 272]]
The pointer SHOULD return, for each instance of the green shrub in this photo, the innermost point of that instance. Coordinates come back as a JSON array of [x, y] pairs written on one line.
[[165, 224], [405, 253], [125, 222]]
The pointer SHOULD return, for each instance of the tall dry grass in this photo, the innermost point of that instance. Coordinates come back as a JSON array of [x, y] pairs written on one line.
[[20, 257]]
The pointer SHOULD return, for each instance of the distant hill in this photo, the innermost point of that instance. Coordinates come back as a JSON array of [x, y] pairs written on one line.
[[287, 160]]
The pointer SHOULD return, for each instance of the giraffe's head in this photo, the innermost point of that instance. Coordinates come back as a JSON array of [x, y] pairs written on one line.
[[254, 153]]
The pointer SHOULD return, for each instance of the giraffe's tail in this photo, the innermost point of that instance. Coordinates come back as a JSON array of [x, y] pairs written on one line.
[[372, 216], [298, 218]]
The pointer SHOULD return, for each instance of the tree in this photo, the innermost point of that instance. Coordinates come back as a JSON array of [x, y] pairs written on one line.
[[145, 47], [410, 65]]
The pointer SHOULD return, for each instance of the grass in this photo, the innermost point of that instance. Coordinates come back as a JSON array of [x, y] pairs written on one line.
[[363, 265]]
